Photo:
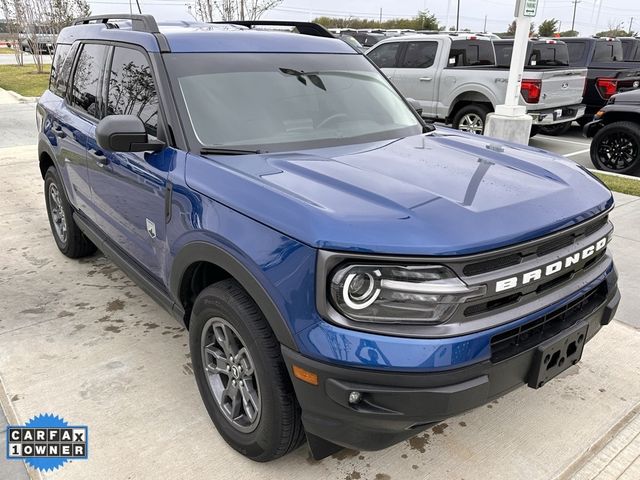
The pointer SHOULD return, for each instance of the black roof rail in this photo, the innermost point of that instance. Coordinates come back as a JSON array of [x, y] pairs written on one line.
[[139, 23], [305, 28]]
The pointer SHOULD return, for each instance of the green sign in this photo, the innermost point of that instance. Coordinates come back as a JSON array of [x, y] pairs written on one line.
[[530, 8]]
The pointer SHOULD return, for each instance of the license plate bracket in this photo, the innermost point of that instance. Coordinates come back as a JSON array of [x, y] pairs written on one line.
[[555, 355]]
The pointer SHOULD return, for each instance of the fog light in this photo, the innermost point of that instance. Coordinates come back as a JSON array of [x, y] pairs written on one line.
[[355, 397]]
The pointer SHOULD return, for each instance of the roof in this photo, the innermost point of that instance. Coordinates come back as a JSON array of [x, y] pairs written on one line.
[[182, 37]]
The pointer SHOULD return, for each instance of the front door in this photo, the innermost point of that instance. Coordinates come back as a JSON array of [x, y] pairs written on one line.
[[128, 189]]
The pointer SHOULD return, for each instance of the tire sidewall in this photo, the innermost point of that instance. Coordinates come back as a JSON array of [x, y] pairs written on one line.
[[479, 110], [256, 444], [630, 129], [52, 177]]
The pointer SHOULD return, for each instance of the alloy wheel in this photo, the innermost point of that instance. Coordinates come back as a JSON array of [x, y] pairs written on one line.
[[471, 123], [617, 151], [58, 217]]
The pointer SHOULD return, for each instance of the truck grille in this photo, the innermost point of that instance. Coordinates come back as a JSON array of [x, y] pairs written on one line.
[[543, 249], [512, 342]]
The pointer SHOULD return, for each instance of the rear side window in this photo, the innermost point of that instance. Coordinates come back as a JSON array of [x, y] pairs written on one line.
[[608, 52], [131, 88], [419, 55], [62, 51], [86, 79], [468, 53], [503, 54], [385, 55], [576, 52]]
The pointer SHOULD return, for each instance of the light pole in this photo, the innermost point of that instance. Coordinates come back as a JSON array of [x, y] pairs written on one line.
[[458, 17], [575, 6]]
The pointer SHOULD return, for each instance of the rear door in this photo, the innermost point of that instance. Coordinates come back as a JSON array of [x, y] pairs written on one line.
[[128, 189], [416, 73], [386, 56]]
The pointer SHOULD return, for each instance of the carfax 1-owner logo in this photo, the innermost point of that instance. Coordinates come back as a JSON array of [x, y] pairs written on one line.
[[46, 442]]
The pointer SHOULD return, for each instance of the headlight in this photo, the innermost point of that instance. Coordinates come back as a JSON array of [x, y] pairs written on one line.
[[399, 294]]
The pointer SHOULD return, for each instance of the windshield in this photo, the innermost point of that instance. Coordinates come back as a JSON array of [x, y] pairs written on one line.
[[276, 102]]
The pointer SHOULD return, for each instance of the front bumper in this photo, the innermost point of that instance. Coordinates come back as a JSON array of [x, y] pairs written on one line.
[[398, 405], [552, 116]]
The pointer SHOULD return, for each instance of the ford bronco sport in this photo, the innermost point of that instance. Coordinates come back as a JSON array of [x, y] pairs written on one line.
[[347, 273]]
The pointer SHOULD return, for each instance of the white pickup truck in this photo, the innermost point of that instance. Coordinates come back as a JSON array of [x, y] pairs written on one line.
[[455, 79]]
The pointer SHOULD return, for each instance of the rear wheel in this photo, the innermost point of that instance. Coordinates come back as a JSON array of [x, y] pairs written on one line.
[[471, 119], [555, 130], [68, 236], [241, 375], [616, 148]]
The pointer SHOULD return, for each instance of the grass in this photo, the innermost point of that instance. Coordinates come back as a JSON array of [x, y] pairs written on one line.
[[630, 186], [24, 79], [6, 50]]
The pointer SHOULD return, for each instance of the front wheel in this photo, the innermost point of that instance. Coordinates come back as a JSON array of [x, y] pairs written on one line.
[[616, 148], [471, 119], [241, 375]]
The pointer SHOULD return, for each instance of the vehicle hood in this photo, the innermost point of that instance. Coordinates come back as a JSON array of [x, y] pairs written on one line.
[[442, 193], [630, 97]]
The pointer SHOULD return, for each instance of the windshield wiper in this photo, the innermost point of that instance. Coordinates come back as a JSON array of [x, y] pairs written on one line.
[[228, 151]]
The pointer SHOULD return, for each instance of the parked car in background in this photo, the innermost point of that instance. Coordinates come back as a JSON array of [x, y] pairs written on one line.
[[351, 41], [607, 72], [542, 54], [455, 78], [616, 134], [37, 42], [348, 274], [368, 39], [630, 49]]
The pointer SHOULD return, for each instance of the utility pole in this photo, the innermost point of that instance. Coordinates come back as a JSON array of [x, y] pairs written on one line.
[[458, 18], [485, 24], [380, 22], [575, 6], [630, 26], [241, 9]]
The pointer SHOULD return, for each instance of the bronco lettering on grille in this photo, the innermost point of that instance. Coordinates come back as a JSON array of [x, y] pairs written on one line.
[[552, 268]]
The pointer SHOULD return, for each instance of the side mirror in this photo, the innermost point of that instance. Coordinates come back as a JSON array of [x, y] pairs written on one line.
[[416, 105], [125, 133]]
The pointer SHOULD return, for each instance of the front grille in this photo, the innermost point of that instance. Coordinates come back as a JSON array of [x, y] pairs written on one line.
[[512, 342], [541, 249]]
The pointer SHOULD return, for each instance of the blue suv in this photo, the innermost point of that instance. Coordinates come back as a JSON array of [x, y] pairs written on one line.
[[348, 274]]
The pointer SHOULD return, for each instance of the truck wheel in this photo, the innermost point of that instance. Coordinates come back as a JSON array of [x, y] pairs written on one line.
[[616, 148], [534, 131], [241, 375], [68, 236], [471, 119], [555, 130]]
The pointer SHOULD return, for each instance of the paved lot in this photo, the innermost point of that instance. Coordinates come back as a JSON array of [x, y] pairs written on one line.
[[79, 339], [572, 145]]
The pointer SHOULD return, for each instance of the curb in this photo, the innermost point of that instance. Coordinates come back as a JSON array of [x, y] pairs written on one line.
[[20, 98]]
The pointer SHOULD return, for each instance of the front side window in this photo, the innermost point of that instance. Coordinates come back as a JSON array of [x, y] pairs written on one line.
[[277, 102], [86, 79], [419, 55], [132, 90], [385, 55]]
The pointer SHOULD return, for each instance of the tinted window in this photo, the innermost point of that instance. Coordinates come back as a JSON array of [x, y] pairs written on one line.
[[608, 52], [56, 67], [86, 79], [131, 88], [471, 52], [553, 54], [385, 55], [576, 52], [503, 54], [419, 55]]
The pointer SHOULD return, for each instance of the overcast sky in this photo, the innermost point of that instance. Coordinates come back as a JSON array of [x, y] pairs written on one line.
[[592, 15]]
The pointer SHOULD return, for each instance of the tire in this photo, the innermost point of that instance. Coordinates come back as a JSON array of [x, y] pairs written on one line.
[[276, 427], [471, 118], [616, 148], [73, 243], [534, 131], [555, 130], [582, 121]]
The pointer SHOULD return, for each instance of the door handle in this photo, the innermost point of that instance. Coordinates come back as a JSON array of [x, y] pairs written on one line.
[[59, 132], [99, 157], [426, 79]]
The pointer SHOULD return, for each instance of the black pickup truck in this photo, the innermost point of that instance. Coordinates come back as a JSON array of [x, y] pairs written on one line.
[[607, 72]]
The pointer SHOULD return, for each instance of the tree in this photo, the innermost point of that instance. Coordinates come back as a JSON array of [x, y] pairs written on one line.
[[227, 10], [63, 12], [616, 32], [548, 28], [569, 33], [511, 30], [424, 20]]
